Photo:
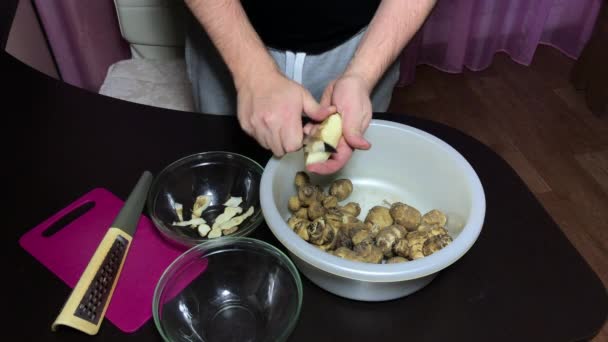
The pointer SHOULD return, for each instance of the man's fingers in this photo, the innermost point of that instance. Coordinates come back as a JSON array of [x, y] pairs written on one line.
[[292, 136], [327, 94], [261, 139], [273, 138], [309, 128], [256, 131], [353, 134], [314, 110], [258, 135], [355, 140], [335, 163]]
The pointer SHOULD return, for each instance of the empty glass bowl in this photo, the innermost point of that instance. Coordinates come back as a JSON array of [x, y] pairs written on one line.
[[217, 174], [230, 289]]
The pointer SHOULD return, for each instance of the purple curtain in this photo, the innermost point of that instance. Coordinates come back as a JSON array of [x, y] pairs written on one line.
[[84, 37], [467, 33]]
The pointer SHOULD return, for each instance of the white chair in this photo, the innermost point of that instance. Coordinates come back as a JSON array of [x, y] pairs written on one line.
[[156, 73]]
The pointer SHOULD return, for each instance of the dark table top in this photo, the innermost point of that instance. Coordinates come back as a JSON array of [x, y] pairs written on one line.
[[522, 280]]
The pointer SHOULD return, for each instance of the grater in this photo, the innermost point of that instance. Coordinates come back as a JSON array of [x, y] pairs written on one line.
[[86, 306]]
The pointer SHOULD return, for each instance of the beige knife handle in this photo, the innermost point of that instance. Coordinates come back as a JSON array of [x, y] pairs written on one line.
[[87, 304]]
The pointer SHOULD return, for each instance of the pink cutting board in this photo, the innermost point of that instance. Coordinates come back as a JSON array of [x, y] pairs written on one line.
[[67, 253]]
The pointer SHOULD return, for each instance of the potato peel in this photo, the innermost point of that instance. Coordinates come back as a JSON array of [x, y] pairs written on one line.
[[179, 210], [235, 221], [193, 222], [234, 202], [201, 203], [228, 213], [224, 224], [203, 229]]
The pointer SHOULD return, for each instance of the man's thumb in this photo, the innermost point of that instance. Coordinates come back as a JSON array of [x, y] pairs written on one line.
[[354, 137], [313, 109]]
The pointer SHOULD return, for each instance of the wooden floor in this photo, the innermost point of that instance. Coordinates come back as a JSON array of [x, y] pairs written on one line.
[[538, 123]]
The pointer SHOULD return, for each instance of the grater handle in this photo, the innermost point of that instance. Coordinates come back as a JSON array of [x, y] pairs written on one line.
[[87, 304]]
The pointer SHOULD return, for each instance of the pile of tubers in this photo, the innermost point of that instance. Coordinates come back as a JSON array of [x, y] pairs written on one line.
[[388, 234]]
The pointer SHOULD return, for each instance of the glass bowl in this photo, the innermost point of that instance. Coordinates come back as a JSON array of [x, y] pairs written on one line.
[[229, 289], [217, 174]]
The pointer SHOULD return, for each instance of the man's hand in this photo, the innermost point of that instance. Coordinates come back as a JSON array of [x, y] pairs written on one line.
[[393, 25], [270, 109], [350, 94], [269, 105]]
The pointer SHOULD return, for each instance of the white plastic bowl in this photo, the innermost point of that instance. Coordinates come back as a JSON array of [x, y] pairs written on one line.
[[404, 164]]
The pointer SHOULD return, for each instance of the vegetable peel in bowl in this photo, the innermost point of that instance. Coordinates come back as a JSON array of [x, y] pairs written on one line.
[[226, 223]]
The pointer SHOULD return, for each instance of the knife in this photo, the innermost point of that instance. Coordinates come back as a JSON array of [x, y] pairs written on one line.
[[312, 144], [87, 304]]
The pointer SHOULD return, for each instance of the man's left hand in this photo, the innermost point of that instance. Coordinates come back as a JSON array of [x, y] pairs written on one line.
[[350, 94]]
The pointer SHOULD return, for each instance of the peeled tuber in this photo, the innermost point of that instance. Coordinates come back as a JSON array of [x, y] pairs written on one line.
[[328, 132]]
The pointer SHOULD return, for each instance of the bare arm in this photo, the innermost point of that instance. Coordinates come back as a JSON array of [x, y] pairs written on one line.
[[230, 30], [393, 25], [269, 106]]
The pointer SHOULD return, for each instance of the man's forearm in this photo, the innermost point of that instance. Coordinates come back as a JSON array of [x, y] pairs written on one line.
[[392, 27], [230, 30]]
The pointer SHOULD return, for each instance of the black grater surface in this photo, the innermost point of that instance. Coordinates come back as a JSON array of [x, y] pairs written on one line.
[[94, 300]]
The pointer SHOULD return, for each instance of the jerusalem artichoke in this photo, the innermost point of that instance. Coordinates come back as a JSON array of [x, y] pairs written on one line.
[[341, 189], [406, 216]]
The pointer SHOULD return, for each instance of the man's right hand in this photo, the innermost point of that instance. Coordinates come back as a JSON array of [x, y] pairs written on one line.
[[270, 108]]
